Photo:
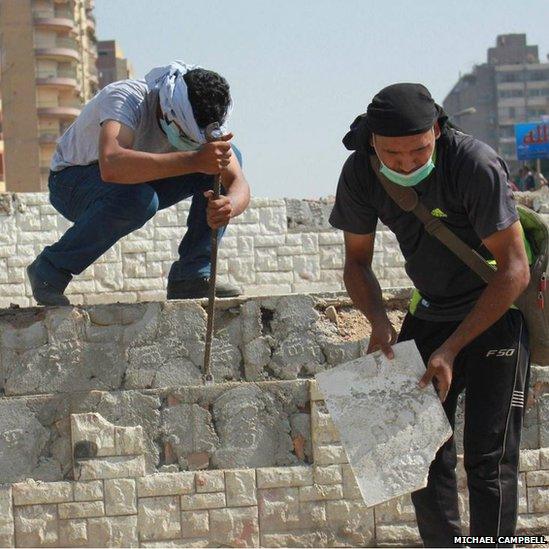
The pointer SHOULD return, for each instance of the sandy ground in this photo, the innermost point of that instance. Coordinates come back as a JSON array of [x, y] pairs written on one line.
[[353, 325]]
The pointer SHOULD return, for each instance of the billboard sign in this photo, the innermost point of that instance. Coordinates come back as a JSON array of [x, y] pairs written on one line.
[[532, 140]]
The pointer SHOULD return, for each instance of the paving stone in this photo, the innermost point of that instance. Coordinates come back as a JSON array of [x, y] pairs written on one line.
[[538, 499], [81, 509], [278, 477], [36, 526], [390, 428], [320, 492], [6, 517], [166, 484], [537, 478], [330, 474], [195, 524], [210, 481], [405, 534], [90, 490], [120, 497], [203, 501], [110, 467], [114, 531], [73, 533], [236, 527], [241, 488], [32, 492], [159, 518], [529, 460]]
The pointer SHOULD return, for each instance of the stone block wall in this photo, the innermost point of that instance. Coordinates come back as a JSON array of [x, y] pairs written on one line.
[[110, 503], [277, 246]]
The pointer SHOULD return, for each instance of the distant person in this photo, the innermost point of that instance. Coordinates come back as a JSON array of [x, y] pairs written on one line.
[[138, 147], [528, 178], [540, 180], [467, 332]]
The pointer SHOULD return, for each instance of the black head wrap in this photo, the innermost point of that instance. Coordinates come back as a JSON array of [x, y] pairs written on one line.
[[397, 110]]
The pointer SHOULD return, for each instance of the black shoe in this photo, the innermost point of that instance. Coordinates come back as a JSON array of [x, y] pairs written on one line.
[[44, 293], [196, 288]]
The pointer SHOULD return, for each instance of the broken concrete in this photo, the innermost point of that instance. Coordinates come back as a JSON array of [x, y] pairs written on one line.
[[390, 428]]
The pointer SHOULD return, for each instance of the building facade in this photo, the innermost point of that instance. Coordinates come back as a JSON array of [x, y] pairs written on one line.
[[111, 63], [512, 87], [48, 72]]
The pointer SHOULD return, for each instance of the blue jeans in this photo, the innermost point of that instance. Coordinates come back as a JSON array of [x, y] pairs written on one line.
[[103, 213]]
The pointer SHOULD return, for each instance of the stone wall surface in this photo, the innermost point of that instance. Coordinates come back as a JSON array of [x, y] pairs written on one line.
[[109, 438], [112, 502], [277, 246]]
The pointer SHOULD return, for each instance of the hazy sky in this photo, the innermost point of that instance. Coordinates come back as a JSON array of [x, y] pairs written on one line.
[[300, 71]]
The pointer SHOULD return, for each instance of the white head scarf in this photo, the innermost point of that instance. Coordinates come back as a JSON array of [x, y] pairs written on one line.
[[174, 98]]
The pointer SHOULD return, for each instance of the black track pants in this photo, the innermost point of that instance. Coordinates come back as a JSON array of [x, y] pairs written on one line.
[[493, 369]]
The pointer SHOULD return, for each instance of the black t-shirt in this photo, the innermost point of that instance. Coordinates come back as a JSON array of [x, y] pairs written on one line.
[[468, 190]]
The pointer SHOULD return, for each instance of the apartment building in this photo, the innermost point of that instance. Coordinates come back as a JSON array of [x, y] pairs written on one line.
[[510, 88], [111, 63], [48, 72]]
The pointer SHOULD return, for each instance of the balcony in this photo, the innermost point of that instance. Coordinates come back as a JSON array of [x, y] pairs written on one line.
[[90, 21], [66, 110], [52, 80], [47, 137], [57, 20]]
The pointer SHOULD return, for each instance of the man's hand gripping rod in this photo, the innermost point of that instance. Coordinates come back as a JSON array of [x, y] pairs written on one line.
[[213, 133]]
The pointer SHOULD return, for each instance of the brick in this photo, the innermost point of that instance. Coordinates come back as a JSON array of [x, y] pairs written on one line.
[[120, 497], [241, 488], [7, 538], [195, 523], [237, 527], [33, 492], [318, 492], [533, 524], [280, 477], [73, 533], [159, 518], [166, 484], [350, 485], [395, 510], [279, 509], [401, 534], [113, 531], [210, 481], [91, 490], [537, 478], [529, 460], [544, 458], [36, 526], [330, 474], [81, 509], [213, 500], [538, 499], [110, 467], [330, 454], [186, 542]]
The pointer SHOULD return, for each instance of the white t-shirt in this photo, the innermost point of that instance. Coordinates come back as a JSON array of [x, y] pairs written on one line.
[[129, 102]]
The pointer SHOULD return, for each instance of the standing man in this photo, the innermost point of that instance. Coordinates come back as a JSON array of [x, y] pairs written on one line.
[[466, 331], [137, 147]]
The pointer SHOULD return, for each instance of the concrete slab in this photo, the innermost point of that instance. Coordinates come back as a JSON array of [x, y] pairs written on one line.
[[389, 427]]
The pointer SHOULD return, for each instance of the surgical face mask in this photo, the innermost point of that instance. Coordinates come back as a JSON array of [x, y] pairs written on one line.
[[176, 138], [409, 179]]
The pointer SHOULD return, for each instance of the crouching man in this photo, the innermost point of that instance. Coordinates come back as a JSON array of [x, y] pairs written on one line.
[[137, 147]]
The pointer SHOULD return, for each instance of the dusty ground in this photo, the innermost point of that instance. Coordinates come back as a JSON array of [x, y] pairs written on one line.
[[353, 325]]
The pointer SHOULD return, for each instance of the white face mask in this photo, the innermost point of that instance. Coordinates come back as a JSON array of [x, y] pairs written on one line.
[[180, 142]]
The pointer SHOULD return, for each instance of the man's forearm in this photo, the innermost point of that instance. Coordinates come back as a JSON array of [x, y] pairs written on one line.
[[364, 289], [493, 303], [239, 193], [128, 166]]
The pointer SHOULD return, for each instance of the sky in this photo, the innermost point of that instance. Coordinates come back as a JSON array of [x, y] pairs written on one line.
[[300, 71]]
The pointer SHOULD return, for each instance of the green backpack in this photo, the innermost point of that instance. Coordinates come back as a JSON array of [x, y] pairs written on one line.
[[532, 302]]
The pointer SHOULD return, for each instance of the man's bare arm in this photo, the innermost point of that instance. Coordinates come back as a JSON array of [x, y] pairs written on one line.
[[365, 291], [509, 282], [119, 163], [236, 200]]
